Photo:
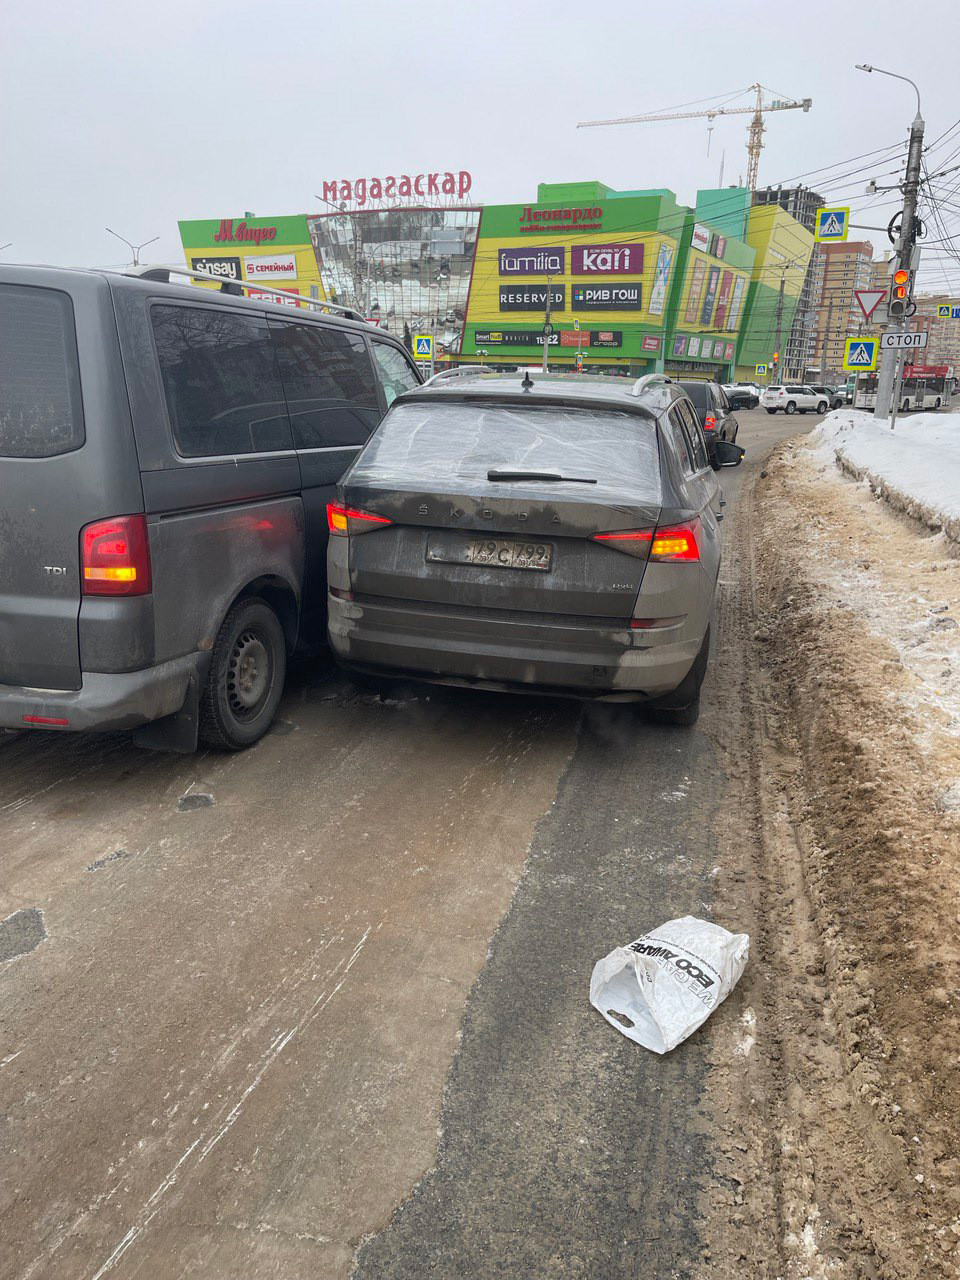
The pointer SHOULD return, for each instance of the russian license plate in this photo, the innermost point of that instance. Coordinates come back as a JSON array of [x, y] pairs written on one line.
[[505, 554]]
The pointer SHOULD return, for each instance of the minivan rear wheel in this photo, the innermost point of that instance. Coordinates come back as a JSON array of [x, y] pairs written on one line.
[[245, 681]]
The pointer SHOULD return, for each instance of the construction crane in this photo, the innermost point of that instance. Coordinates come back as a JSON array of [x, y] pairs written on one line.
[[755, 130]]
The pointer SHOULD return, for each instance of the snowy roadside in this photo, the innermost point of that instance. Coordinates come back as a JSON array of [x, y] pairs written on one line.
[[915, 467], [859, 625]]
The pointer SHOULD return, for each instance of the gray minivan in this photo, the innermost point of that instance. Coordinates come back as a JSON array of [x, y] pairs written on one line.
[[167, 454]]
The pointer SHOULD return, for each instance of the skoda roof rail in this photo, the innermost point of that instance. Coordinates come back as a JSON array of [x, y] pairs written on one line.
[[458, 372], [227, 285], [649, 379]]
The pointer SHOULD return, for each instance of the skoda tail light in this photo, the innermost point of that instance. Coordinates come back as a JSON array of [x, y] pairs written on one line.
[[115, 557], [678, 542], [635, 542], [345, 521]]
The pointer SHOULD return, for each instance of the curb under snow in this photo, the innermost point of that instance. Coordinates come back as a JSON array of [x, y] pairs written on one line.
[[861, 447]]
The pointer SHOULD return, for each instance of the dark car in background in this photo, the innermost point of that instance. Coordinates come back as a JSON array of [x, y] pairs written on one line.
[[167, 454], [741, 395], [546, 533], [835, 396], [714, 414]]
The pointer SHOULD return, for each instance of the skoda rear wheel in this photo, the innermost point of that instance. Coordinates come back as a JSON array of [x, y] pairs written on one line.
[[682, 707], [245, 681]]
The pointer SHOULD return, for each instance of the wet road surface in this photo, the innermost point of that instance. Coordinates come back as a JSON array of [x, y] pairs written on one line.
[[258, 1009]]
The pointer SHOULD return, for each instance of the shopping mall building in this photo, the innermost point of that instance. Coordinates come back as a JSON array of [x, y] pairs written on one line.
[[636, 281]]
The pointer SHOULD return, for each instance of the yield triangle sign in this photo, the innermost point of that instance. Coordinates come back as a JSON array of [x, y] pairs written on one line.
[[868, 300], [860, 355]]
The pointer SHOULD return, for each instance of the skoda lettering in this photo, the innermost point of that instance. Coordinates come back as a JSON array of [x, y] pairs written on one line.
[[607, 260]]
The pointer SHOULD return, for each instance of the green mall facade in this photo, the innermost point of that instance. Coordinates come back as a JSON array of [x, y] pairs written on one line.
[[637, 281], [634, 281]]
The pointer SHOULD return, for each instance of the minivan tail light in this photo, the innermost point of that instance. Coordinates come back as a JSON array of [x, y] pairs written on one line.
[[710, 422], [115, 557], [346, 520], [678, 542]]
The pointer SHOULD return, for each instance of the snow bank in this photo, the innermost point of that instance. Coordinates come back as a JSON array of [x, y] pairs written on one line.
[[915, 467]]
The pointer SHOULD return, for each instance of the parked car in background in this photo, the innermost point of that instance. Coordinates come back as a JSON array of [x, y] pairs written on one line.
[[544, 533], [741, 395], [167, 455], [713, 413], [836, 397], [793, 398]]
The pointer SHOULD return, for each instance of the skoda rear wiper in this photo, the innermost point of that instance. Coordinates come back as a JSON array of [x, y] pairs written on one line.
[[537, 475]]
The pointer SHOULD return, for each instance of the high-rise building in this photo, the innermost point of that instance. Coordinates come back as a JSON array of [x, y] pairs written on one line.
[[802, 204], [841, 269], [943, 332]]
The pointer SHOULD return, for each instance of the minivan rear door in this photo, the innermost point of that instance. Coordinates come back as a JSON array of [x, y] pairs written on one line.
[[45, 496]]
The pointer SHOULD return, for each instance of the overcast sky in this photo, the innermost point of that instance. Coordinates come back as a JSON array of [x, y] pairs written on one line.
[[134, 115]]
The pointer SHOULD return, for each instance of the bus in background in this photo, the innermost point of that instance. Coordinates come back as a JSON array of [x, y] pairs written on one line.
[[923, 386]]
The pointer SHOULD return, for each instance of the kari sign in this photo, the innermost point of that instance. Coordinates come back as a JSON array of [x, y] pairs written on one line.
[[415, 190], [533, 262], [606, 260]]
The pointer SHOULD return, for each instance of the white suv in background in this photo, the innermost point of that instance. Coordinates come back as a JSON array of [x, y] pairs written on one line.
[[793, 398]]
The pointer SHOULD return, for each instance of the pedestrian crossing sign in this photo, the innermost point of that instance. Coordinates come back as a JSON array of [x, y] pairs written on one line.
[[944, 312], [860, 354], [955, 313], [832, 224], [422, 346], [761, 370]]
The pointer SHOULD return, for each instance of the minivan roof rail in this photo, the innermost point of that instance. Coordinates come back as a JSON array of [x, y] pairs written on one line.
[[647, 380], [459, 371], [227, 285]]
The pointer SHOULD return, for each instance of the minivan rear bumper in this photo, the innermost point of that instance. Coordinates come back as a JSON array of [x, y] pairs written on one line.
[[453, 646], [106, 701]]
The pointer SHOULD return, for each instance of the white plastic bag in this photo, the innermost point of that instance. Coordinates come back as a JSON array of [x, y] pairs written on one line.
[[668, 982]]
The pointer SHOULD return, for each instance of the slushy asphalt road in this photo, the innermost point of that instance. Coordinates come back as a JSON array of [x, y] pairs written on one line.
[[265, 1001]]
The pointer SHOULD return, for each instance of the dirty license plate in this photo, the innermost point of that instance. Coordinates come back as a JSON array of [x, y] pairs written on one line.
[[506, 554]]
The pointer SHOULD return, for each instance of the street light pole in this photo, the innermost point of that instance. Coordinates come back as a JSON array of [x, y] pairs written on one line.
[[905, 244], [134, 248], [546, 324]]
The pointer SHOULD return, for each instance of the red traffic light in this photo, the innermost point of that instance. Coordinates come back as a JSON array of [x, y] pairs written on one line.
[[901, 277]]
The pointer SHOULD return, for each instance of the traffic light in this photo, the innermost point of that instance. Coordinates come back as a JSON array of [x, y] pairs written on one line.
[[776, 357], [899, 292]]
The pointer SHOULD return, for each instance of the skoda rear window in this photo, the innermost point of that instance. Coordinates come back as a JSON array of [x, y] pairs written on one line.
[[41, 414], [421, 442]]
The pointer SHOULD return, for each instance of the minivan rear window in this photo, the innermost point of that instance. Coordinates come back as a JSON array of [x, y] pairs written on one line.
[[220, 380], [445, 444], [41, 413]]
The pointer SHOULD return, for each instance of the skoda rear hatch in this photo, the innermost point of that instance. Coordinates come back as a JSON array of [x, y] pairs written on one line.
[[496, 505]]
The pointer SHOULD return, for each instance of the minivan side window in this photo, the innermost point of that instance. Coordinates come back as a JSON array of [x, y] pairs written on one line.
[[328, 381], [41, 413], [396, 376], [220, 381]]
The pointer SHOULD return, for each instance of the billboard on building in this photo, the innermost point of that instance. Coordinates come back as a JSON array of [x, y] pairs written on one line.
[[268, 251]]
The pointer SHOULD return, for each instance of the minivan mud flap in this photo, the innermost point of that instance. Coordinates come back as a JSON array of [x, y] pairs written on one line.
[[177, 732]]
